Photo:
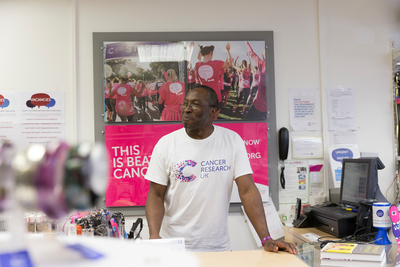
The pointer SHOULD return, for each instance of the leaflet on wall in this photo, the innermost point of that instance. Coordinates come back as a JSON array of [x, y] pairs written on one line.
[[146, 81], [342, 113], [42, 117], [316, 180], [32, 117], [336, 156], [305, 109], [307, 147], [296, 182], [343, 137], [130, 148], [9, 116]]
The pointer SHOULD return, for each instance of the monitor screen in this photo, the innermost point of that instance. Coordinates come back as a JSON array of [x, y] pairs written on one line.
[[359, 180], [355, 181]]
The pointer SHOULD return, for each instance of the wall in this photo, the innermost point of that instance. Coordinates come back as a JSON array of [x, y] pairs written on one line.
[[356, 53], [36, 50], [317, 44]]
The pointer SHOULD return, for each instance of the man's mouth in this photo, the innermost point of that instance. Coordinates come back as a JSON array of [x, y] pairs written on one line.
[[186, 118]]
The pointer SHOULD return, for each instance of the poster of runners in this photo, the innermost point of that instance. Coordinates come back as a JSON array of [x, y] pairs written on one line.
[[147, 81]]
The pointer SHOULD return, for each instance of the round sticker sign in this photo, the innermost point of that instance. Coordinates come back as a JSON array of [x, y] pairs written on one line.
[[342, 153]]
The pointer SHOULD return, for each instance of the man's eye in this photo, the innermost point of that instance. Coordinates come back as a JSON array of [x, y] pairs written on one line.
[[196, 105]]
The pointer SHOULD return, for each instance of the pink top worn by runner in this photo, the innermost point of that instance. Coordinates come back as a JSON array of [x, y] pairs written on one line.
[[173, 94], [260, 100], [123, 94], [208, 74], [245, 79], [139, 87]]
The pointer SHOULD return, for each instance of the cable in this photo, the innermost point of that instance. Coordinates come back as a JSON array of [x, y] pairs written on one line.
[[394, 180], [283, 177]]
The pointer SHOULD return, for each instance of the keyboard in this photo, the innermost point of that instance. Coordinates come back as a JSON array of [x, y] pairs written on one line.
[[338, 212]]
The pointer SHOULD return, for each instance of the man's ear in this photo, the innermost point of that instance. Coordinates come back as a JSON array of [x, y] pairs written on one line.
[[213, 111]]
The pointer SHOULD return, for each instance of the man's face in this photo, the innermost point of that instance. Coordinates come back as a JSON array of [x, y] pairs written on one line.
[[203, 115]]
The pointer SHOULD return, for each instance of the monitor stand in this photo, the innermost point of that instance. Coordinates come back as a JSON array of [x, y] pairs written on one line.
[[378, 195]]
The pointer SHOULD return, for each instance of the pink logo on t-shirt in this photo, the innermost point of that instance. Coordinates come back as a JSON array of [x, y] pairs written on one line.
[[206, 72], [176, 88], [121, 91], [121, 104], [178, 172]]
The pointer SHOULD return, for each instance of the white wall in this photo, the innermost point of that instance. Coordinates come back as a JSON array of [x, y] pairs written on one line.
[[355, 52], [47, 45], [36, 50]]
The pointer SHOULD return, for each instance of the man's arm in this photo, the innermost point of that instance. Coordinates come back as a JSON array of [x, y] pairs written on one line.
[[252, 203], [155, 209]]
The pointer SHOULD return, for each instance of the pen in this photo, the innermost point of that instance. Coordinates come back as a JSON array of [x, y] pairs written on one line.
[[114, 227], [352, 209]]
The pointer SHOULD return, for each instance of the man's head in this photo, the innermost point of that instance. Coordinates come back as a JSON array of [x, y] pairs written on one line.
[[199, 108]]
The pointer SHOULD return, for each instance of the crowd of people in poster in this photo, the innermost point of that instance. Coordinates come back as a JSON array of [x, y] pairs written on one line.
[[139, 88]]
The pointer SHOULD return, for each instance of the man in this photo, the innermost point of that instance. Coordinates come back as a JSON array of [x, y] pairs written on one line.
[[191, 171]]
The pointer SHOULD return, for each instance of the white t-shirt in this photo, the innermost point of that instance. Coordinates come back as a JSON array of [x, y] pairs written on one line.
[[199, 177]]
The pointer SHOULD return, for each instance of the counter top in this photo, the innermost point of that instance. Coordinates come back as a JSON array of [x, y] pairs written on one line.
[[250, 258]]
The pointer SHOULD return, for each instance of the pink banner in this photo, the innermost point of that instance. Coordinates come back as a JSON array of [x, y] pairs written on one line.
[[130, 148]]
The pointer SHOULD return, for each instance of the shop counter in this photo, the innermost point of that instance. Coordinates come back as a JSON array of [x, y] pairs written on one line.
[[250, 258]]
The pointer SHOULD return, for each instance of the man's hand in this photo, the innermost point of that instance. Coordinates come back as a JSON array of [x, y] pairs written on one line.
[[275, 245], [228, 46], [155, 237]]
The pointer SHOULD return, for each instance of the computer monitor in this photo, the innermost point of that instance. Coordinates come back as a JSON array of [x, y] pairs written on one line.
[[360, 180]]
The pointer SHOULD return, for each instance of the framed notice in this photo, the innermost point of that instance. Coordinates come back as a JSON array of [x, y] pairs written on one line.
[[141, 78]]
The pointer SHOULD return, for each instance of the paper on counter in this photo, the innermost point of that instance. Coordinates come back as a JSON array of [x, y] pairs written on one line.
[[171, 243], [275, 226]]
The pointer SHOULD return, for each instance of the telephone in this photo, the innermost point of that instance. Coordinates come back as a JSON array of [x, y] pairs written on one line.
[[283, 143], [300, 220], [283, 151]]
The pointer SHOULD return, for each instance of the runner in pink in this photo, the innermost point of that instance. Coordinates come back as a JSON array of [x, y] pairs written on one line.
[[172, 94]]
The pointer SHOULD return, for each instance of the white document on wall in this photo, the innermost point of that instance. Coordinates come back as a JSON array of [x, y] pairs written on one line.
[[343, 137], [29, 117], [9, 116], [307, 147], [336, 156], [341, 109], [275, 226], [296, 182], [316, 180], [42, 117], [305, 109]]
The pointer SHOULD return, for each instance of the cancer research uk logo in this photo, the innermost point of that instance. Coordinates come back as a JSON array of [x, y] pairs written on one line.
[[4, 102], [178, 172], [39, 100], [206, 167]]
